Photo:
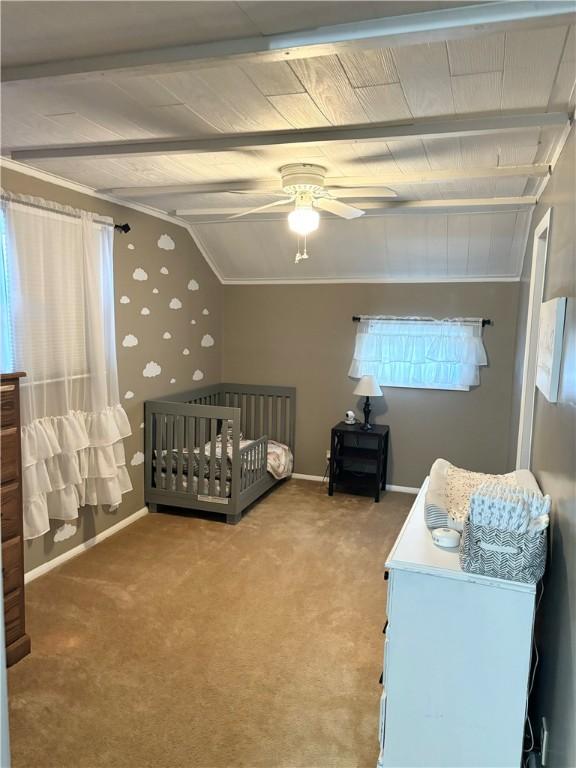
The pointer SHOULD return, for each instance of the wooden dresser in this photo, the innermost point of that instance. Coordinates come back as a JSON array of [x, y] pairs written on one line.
[[17, 641]]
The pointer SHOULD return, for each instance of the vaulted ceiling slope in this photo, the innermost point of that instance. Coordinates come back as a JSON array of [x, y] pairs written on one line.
[[192, 108]]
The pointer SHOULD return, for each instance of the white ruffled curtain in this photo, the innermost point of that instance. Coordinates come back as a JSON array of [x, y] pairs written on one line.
[[59, 288], [443, 354]]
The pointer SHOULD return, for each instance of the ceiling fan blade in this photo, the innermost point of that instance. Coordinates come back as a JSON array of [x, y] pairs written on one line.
[[343, 210], [285, 201], [357, 192]]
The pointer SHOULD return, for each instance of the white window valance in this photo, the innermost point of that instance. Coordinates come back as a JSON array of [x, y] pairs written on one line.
[[419, 352], [57, 287]]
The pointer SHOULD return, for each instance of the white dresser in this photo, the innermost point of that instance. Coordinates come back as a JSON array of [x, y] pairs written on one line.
[[456, 659]]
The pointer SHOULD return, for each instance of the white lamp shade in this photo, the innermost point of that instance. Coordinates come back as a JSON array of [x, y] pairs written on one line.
[[368, 387]]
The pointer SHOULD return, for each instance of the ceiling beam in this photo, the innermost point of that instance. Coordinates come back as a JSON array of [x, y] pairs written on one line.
[[346, 183], [414, 129], [388, 208], [408, 29]]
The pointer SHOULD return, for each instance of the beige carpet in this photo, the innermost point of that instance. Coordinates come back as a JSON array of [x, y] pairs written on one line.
[[188, 643]]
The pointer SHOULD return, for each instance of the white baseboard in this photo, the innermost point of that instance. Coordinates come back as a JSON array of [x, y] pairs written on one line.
[[395, 488], [75, 551]]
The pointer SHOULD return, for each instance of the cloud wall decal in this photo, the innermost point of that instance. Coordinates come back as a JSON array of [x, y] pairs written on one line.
[[193, 285], [65, 531], [129, 340], [140, 274], [137, 459], [151, 369], [166, 243], [175, 304], [207, 341]]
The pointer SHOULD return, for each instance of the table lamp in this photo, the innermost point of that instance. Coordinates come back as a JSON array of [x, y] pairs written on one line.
[[367, 387]]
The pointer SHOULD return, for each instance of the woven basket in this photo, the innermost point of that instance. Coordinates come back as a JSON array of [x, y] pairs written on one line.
[[503, 554]]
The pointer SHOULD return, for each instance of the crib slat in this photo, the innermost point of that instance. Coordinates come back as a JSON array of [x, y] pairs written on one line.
[[190, 423], [213, 431], [169, 450], [224, 462], [242, 402], [158, 476], [201, 454], [283, 421], [179, 452], [273, 430], [257, 421], [265, 416]]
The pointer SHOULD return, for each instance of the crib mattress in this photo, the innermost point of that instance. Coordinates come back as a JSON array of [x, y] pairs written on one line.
[[279, 462], [171, 484]]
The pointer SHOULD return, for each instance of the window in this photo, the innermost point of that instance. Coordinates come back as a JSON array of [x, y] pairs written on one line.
[[419, 352], [57, 294]]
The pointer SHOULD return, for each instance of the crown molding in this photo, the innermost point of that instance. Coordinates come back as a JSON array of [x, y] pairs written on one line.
[[418, 279]]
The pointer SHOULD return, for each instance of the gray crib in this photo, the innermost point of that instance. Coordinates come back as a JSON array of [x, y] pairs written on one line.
[[180, 472]]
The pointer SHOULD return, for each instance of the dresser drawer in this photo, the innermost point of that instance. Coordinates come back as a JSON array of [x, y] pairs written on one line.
[[12, 566], [13, 616], [8, 410], [10, 510], [9, 469]]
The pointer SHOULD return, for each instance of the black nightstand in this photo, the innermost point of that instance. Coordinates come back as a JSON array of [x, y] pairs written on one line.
[[358, 459]]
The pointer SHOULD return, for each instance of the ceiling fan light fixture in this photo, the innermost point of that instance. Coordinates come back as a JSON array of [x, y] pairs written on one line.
[[303, 220]]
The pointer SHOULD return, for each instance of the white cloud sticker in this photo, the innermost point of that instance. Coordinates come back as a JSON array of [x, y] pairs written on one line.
[[205, 311], [141, 425], [175, 304], [144, 311], [166, 335], [139, 274], [164, 270], [152, 369], [185, 351], [172, 381], [166, 243], [124, 300], [65, 531], [137, 459], [193, 285], [130, 246], [207, 341], [192, 322], [197, 375], [129, 341], [155, 290], [128, 395]]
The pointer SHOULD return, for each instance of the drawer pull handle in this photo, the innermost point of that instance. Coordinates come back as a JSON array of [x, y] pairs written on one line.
[[385, 627]]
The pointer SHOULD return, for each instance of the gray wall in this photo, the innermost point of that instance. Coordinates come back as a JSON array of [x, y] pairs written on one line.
[[184, 263], [554, 464], [303, 335]]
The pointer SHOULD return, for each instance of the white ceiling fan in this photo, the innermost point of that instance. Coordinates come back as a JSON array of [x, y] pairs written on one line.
[[303, 185]]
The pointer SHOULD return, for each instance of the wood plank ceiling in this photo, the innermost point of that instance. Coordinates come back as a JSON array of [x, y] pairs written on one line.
[[520, 70]]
